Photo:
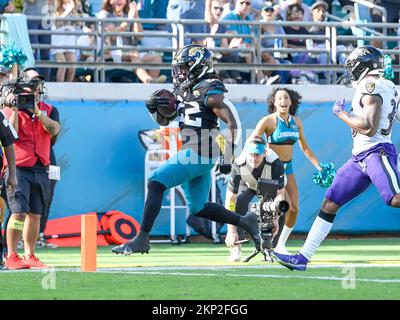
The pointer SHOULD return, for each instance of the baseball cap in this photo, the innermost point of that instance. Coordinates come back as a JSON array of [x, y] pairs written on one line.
[[319, 3], [268, 5], [24, 73], [257, 148]]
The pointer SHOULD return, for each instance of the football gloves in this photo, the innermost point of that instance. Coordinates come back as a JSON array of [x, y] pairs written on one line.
[[338, 107], [153, 102], [224, 166]]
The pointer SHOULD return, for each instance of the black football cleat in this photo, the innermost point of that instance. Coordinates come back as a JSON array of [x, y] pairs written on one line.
[[136, 245]]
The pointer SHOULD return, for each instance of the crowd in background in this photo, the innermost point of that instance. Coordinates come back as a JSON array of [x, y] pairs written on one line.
[[211, 11]]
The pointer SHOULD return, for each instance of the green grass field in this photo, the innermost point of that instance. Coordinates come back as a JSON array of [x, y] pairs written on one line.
[[201, 271]]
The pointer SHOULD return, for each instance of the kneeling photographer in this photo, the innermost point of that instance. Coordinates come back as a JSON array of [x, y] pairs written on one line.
[[256, 162], [33, 121]]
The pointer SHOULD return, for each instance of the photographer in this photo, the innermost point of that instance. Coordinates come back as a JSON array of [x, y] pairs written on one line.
[[34, 123], [257, 161], [7, 138]]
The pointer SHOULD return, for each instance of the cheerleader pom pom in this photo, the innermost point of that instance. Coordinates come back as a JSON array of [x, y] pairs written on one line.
[[11, 55], [324, 178]]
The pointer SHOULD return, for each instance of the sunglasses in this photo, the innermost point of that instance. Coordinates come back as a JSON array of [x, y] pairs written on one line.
[[218, 8], [247, 3], [270, 9]]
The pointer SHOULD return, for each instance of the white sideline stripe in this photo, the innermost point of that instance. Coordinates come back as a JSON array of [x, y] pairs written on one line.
[[392, 174], [277, 276], [210, 268]]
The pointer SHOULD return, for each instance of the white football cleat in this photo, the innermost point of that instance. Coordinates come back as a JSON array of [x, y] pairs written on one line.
[[235, 254]]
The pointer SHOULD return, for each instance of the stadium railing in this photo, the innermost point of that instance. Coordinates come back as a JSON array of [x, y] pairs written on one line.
[[176, 35]]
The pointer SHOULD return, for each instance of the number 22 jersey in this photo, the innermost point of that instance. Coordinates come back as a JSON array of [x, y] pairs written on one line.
[[198, 123]]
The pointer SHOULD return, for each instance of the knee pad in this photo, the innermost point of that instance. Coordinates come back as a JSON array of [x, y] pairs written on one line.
[[15, 224]]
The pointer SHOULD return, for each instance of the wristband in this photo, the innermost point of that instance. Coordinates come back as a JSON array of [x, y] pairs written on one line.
[[232, 206], [38, 114]]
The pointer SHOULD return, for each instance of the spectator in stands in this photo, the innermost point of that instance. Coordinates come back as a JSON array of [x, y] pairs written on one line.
[[194, 9], [39, 8], [150, 9], [240, 13], [86, 7], [213, 14], [268, 14], [393, 10], [318, 11], [7, 6], [35, 127], [66, 9], [283, 8], [393, 15], [295, 13], [121, 9]]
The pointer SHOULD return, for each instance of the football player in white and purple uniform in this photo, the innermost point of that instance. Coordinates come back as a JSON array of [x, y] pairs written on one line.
[[374, 161]]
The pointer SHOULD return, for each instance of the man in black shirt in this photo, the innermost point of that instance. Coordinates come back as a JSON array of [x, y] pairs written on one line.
[[256, 162]]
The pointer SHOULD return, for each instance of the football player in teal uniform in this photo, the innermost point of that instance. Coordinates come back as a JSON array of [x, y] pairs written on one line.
[[200, 103]]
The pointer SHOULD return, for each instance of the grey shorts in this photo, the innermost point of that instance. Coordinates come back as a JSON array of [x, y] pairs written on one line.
[[32, 193]]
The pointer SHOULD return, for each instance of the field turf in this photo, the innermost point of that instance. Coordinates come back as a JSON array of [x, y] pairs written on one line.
[[201, 271]]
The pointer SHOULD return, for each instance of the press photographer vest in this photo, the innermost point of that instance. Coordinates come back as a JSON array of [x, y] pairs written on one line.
[[34, 141], [247, 175], [250, 180]]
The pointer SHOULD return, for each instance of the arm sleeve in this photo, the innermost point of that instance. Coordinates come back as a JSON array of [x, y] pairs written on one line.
[[234, 179], [278, 172], [7, 132]]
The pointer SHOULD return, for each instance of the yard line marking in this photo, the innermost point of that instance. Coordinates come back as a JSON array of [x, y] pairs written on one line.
[[261, 276], [210, 267]]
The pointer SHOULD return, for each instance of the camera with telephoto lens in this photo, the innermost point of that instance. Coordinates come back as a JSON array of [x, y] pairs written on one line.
[[267, 209], [14, 93]]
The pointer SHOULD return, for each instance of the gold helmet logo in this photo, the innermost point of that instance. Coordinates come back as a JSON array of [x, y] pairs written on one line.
[[196, 52]]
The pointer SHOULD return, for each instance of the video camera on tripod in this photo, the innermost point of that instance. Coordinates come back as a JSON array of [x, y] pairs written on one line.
[[267, 209]]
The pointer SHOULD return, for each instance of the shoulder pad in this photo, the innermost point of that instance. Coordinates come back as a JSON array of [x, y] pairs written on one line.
[[373, 86], [211, 86]]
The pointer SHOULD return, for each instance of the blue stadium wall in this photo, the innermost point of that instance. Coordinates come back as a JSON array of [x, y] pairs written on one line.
[[102, 164]]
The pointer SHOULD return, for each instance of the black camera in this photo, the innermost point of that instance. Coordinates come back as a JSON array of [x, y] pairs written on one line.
[[24, 91], [267, 209]]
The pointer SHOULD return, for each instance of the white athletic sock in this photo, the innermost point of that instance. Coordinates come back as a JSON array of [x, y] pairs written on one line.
[[286, 231], [319, 230]]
